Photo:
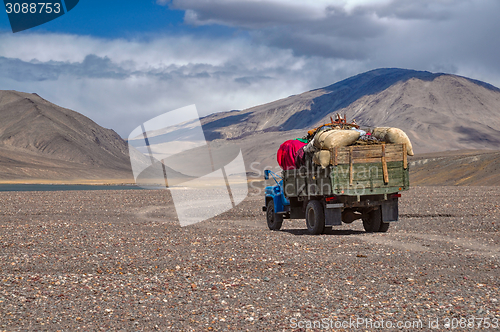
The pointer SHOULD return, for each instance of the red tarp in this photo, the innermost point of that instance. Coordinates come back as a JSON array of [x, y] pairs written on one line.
[[287, 152]]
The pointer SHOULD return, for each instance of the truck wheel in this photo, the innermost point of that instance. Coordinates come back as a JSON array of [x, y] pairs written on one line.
[[384, 226], [373, 221], [274, 221], [315, 217]]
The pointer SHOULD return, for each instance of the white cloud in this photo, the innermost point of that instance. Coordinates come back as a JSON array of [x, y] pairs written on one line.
[[373, 31], [120, 84], [457, 35], [271, 13], [316, 8]]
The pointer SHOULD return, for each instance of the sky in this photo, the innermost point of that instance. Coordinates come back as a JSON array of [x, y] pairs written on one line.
[[122, 63]]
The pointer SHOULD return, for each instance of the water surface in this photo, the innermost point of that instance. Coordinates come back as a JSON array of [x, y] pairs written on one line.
[[63, 187]]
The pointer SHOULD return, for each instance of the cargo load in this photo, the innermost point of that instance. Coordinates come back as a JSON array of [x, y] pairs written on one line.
[[287, 153], [330, 138], [323, 140], [395, 136]]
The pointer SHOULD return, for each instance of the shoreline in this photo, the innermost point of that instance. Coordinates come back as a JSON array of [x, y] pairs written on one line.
[[82, 182]]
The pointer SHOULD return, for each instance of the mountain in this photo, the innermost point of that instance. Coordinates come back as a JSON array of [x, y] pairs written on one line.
[[438, 111], [451, 168], [40, 140]]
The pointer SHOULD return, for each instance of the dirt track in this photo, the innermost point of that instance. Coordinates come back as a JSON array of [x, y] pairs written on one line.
[[118, 260]]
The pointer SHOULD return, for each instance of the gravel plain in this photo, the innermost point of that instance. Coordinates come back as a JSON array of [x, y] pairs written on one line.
[[117, 260]]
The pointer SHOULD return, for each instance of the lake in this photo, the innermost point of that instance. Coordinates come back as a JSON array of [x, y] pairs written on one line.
[[63, 187]]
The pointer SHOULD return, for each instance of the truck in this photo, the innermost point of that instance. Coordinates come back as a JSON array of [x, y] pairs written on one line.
[[361, 183]]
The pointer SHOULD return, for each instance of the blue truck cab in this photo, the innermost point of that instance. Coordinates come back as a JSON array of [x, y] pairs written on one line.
[[276, 204]]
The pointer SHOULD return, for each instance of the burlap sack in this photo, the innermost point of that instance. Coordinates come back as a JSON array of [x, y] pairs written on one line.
[[393, 135], [328, 139], [322, 158]]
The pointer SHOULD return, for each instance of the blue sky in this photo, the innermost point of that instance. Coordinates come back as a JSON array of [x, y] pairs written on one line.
[[118, 18], [123, 62], [110, 18]]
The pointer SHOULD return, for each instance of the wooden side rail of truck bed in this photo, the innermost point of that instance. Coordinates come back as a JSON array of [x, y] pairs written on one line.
[[353, 171]]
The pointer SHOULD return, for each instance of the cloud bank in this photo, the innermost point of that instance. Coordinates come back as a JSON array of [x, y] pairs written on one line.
[[122, 83]]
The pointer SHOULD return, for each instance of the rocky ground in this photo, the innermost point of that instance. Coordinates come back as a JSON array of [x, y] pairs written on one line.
[[117, 260]]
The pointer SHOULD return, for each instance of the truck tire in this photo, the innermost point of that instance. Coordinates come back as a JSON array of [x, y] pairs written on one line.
[[373, 221], [315, 217], [274, 220]]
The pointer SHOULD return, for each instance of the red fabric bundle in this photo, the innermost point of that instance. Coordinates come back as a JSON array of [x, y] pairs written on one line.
[[287, 152]]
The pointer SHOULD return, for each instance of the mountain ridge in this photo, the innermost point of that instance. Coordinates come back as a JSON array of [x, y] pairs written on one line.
[[36, 133], [365, 97]]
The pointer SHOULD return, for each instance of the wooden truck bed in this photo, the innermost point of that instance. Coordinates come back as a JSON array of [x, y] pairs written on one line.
[[353, 171]]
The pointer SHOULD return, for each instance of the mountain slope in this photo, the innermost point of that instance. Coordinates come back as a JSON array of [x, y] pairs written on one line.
[[438, 111], [40, 140], [466, 168]]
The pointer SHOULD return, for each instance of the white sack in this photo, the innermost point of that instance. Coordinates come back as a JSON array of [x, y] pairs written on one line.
[[393, 135]]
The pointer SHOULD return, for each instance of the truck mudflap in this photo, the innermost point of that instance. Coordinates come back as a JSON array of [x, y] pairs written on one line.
[[390, 212], [333, 216]]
